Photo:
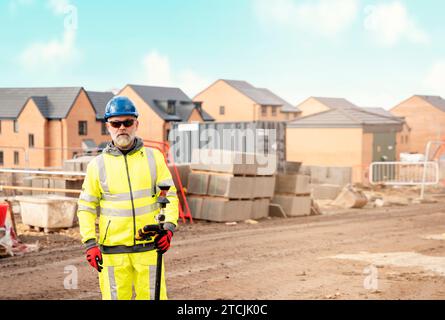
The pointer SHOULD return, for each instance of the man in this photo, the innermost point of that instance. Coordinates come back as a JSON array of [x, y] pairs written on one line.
[[122, 184]]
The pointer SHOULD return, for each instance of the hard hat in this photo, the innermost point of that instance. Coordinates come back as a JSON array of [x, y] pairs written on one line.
[[120, 106]]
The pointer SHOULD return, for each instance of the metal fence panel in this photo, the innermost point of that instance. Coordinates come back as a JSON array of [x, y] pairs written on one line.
[[404, 173]]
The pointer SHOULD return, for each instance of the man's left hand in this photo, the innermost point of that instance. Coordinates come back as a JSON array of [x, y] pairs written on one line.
[[162, 241]]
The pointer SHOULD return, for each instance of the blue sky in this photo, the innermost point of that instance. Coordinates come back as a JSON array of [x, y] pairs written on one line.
[[374, 53]]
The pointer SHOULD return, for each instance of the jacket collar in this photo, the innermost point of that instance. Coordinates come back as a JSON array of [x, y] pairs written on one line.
[[114, 151]]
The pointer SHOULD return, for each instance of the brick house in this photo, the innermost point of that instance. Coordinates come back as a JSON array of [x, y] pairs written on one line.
[[343, 137], [42, 127], [158, 107], [234, 100], [425, 115]]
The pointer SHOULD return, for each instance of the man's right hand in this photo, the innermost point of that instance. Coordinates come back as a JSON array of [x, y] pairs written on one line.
[[94, 257]]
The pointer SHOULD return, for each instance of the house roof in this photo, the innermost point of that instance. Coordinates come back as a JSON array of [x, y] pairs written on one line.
[[436, 101], [261, 96], [53, 102], [335, 103], [344, 118], [99, 101], [379, 111], [154, 96]]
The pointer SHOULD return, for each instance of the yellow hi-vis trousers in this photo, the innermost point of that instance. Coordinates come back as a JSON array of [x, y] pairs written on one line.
[[122, 271]]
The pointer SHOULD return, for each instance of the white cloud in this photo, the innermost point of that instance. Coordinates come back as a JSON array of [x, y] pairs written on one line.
[[192, 83], [434, 81], [50, 55], [53, 55], [59, 6], [157, 72], [156, 69], [325, 17], [390, 23], [14, 5]]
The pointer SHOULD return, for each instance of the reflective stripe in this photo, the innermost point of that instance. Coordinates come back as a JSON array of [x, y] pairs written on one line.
[[144, 247], [152, 284], [82, 207], [167, 182], [102, 173], [111, 278], [152, 166], [113, 212], [88, 198], [126, 195]]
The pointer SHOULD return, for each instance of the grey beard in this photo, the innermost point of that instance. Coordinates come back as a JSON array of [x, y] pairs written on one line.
[[123, 141]]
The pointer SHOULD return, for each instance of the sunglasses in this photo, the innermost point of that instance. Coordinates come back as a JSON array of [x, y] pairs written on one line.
[[117, 124]]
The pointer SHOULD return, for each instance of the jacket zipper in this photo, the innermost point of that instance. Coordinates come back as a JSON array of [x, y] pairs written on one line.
[[106, 232], [132, 201]]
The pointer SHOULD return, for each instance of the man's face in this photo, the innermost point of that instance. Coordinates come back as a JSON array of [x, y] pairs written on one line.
[[122, 130]]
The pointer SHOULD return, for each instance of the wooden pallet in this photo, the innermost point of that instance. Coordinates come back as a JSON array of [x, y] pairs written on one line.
[[45, 230]]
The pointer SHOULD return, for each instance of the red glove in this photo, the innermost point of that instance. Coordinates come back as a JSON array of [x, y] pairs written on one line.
[[162, 241], [94, 257]]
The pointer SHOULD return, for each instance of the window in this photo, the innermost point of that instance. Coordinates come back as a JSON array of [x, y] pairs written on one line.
[[274, 111], [287, 116], [16, 126], [1, 158], [31, 140], [83, 129], [222, 110], [0, 126], [16, 158], [263, 111], [171, 107], [104, 129], [74, 154]]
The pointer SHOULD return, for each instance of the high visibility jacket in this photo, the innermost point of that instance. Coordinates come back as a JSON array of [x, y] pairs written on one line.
[[123, 190]]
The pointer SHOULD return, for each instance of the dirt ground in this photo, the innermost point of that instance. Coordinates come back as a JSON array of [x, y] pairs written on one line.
[[373, 253]]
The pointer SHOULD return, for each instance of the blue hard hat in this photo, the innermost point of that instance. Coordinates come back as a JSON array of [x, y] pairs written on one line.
[[120, 106]]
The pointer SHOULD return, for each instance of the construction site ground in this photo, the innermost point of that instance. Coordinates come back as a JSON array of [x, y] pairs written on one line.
[[395, 252]]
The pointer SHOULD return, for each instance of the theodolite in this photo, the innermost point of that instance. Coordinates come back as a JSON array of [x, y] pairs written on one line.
[[151, 230]]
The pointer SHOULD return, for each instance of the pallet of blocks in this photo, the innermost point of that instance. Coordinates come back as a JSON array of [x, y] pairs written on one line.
[[227, 191], [292, 194]]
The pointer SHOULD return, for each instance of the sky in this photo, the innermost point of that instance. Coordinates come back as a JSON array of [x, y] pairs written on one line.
[[373, 53]]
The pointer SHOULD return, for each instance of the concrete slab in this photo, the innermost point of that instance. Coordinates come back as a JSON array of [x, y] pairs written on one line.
[[231, 187], [195, 205], [293, 205], [198, 183], [292, 183], [260, 208], [339, 175], [223, 210], [325, 191], [264, 187]]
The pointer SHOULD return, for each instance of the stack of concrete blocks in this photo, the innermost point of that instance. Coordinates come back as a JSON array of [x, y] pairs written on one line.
[[79, 164], [326, 183], [293, 194], [59, 182], [226, 190], [183, 171]]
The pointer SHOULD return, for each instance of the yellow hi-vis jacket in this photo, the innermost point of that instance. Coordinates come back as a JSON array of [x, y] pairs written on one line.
[[123, 189]]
